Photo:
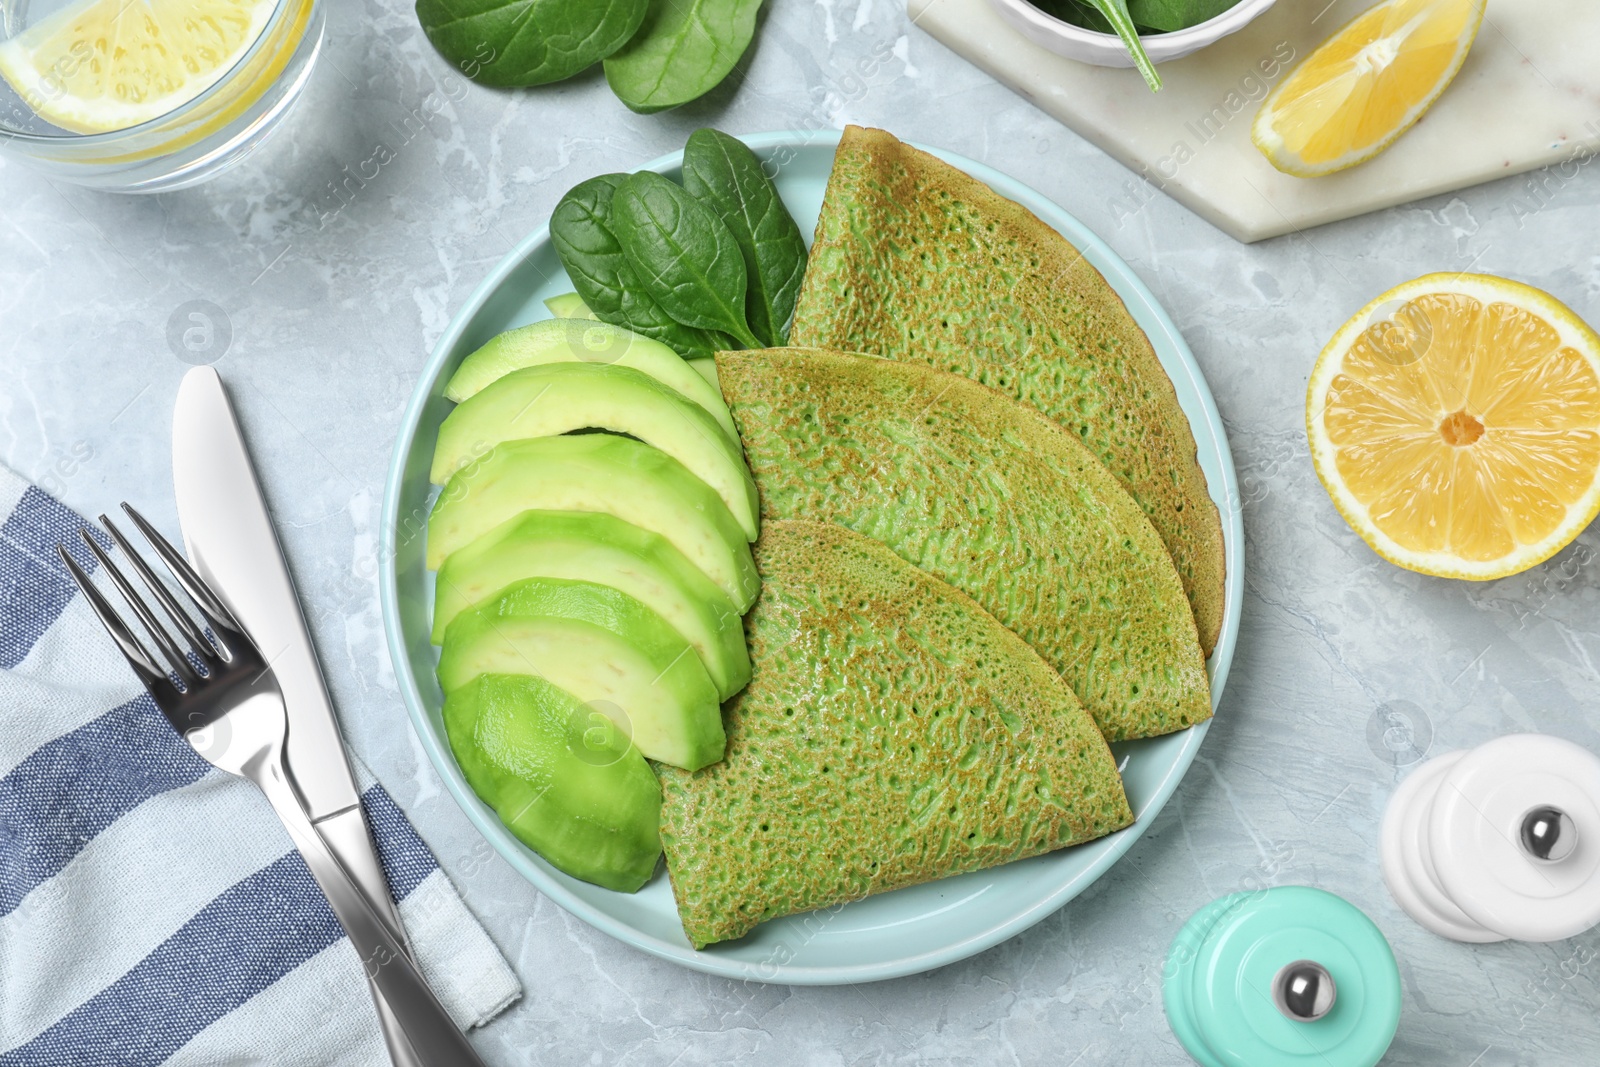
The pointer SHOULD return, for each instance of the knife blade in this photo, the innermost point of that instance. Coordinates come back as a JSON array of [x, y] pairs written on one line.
[[230, 540]]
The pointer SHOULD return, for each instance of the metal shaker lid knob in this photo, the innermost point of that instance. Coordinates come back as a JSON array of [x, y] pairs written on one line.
[[1548, 834], [1304, 991]]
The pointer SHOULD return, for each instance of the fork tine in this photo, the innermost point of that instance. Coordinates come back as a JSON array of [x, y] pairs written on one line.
[[169, 604], [180, 663], [216, 612], [140, 660]]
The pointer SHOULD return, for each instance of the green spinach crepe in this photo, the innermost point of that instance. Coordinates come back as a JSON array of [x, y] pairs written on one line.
[[893, 733], [916, 260], [988, 495]]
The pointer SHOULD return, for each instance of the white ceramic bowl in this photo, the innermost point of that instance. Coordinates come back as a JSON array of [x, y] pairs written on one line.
[[1106, 49]]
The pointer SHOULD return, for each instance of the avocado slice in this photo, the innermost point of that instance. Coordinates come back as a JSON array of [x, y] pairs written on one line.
[[605, 648], [706, 367], [596, 472], [595, 547], [559, 398], [570, 306], [584, 341], [561, 776]]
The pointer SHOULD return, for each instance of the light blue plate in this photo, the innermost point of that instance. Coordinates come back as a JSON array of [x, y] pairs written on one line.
[[886, 936]]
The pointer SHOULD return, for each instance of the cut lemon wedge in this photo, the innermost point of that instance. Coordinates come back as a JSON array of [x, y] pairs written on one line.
[[1366, 85], [110, 64], [1455, 422]]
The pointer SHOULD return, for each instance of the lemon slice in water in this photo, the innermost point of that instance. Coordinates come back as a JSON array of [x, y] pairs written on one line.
[[109, 64]]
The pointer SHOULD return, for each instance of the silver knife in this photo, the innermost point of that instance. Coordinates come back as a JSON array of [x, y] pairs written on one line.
[[232, 544]]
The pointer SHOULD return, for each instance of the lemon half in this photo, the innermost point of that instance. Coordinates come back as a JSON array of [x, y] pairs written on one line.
[[110, 64], [1366, 85], [1455, 422]]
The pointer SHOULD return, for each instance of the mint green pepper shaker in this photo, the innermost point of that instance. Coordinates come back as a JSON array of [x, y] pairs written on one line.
[[1284, 977]]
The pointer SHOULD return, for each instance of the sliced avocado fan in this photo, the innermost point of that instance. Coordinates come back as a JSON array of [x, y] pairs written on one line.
[[558, 398], [600, 548], [599, 472], [579, 340], [605, 648]]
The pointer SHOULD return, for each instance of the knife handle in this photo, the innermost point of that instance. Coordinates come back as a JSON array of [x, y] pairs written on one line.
[[394, 1034], [346, 833], [428, 1028]]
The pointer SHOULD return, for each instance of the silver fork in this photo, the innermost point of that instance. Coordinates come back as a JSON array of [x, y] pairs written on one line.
[[224, 699]]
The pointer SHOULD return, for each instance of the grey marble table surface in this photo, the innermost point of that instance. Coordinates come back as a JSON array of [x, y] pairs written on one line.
[[331, 294]]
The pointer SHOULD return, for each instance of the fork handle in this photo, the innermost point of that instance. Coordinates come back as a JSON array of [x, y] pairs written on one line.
[[433, 1035]]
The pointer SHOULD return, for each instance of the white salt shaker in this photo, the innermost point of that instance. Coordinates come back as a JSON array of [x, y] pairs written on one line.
[[1501, 842]]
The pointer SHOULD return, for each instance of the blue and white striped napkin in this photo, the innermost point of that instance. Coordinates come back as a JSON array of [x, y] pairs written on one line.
[[129, 934]]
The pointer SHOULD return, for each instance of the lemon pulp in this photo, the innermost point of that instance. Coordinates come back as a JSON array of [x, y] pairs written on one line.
[[1456, 424], [1366, 85]]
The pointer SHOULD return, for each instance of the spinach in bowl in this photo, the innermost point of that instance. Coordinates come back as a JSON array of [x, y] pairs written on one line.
[[1130, 18]]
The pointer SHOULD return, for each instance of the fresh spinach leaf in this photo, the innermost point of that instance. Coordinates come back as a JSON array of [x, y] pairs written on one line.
[[528, 42], [1116, 13], [1164, 16], [683, 255], [722, 173], [684, 50], [582, 228], [1081, 13]]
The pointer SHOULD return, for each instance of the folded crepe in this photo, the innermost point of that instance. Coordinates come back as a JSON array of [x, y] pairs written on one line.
[[893, 733], [916, 260], [988, 495]]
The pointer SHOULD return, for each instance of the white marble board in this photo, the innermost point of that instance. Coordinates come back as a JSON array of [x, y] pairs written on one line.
[[1528, 97]]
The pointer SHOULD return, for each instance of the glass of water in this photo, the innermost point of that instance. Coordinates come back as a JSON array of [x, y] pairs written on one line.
[[149, 95]]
